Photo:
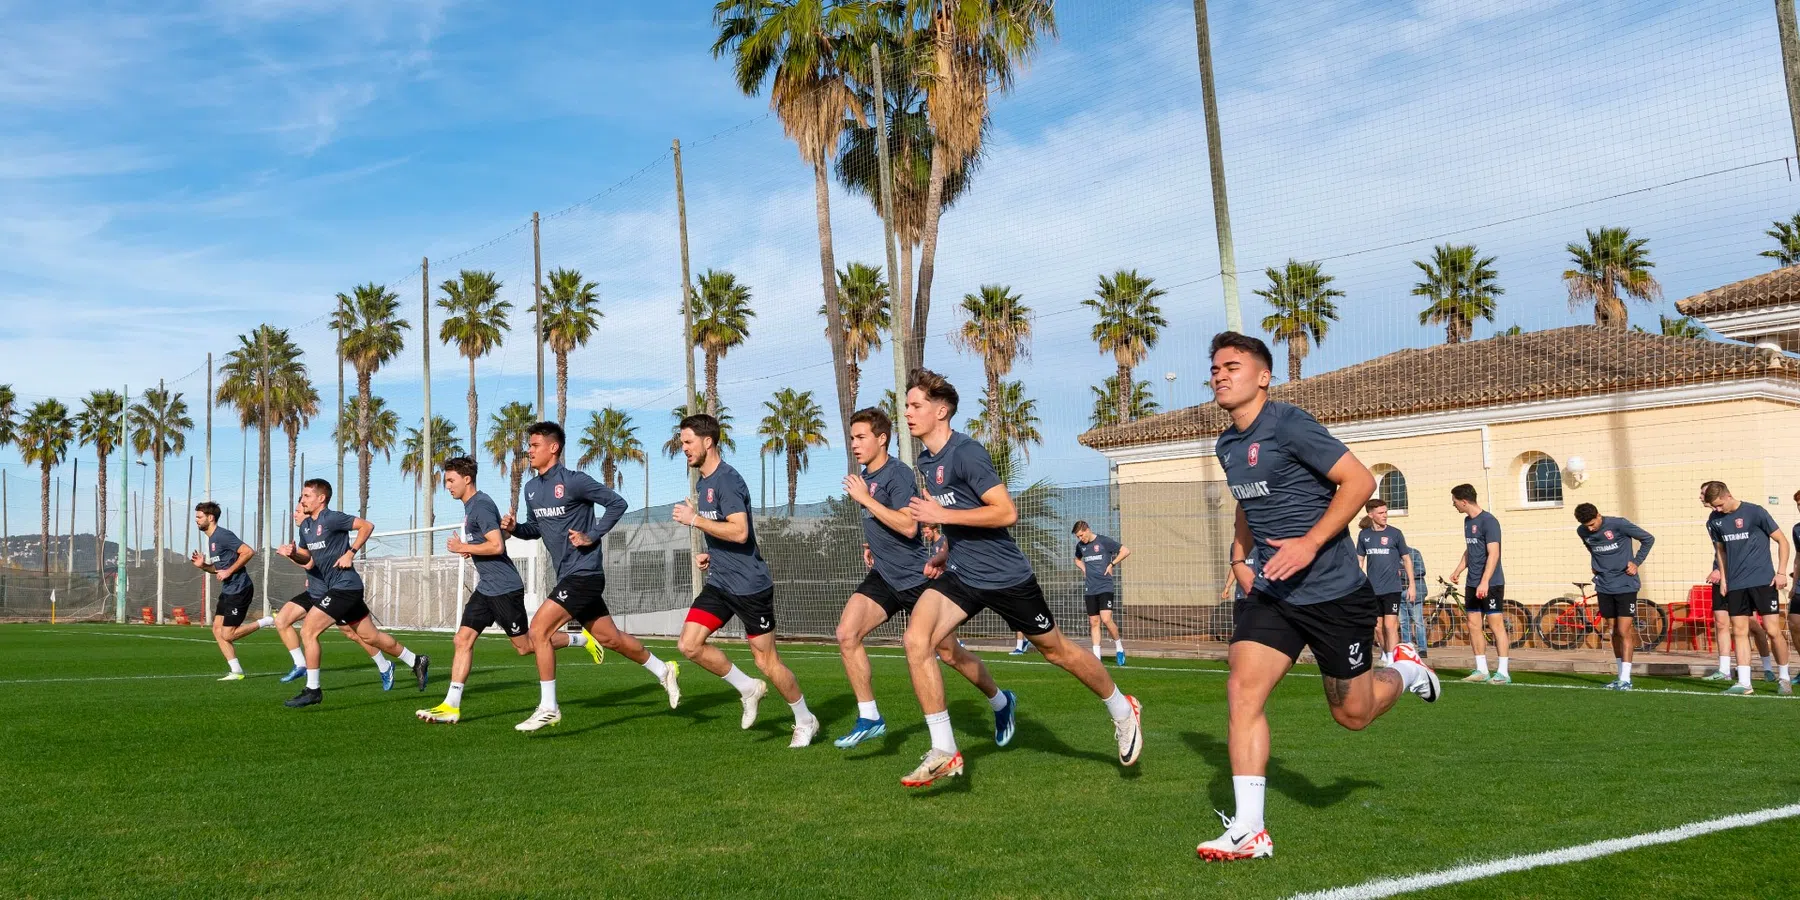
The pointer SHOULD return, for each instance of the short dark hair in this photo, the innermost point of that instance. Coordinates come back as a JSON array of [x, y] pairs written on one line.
[[936, 388], [1463, 492], [550, 430], [1374, 504], [702, 425], [320, 485], [877, 419], [1081, 525], [1713, 490], [1244, 343], [461, 465], [1366, 523], [208, 507], [1586, 512]]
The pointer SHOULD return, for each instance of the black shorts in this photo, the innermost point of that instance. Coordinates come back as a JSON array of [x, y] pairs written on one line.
[[584, 596], [304, 600], [1489, 607], [1762, 599], [1022, 605], [1618, 606], [1098, 602], [891, 601], [344, 607], [507, 610], [1339, 632], [233, 607], [1389, 604], [1794, 602], [714, 607]]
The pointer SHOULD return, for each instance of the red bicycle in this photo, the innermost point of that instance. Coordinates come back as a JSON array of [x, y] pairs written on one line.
[[1569, 622]]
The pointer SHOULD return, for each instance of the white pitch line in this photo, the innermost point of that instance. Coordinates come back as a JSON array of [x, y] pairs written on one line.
[[1388, 887]]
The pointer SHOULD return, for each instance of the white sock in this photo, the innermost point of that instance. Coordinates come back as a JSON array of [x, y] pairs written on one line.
[[1096, 651], [737, 679], [1019, 646], [454, 698], [1768, 664], [312, 679], [1249, 792], [1388, 658], [997, 702], [1481, 664], [382, 663], [1724, 663], [408, 657], [299, 657], [578, 640], [265, 622], [547, 694], [942, 738], [1410, 672], [1624, 670], [239, 667], [1118, 646], [656, 666], [866, 709], [1784, 674], [1743, 673], [1502, 668], [801, 713], [1117, 705]]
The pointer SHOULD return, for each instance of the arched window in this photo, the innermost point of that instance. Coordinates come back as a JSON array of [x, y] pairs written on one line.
[[1542, 481], [1390, 485]]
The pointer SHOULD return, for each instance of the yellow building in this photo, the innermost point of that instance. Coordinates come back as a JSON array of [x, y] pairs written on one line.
[[1538, 423]]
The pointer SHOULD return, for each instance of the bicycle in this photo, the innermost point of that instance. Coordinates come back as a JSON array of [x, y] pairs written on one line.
[[1568, 622], [1446, 619]]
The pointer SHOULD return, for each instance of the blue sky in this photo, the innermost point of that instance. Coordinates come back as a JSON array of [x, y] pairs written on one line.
[[179, 174]]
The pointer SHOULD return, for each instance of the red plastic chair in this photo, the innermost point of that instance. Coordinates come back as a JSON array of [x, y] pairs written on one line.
[[1698, 616]]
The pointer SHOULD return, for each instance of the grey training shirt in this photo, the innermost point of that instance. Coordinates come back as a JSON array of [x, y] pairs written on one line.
[[1385, 553], [1745, 533], [1478, 532], [1095, 556], [494, 575], [563, 499], [956, 477], [899, 560], [222, 551], [735, 567], [327, 537], [1609, 550]]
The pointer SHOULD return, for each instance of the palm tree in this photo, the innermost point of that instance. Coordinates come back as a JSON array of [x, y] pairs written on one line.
[[98, 425], [9, 403], [1513, 330], [444, 446], [297, 404], [1011, 424], [373, 334], [384, 428], [793, 426], [998, 329], [159, 426], [571, 316], [1130, 323], [1787, 239], [1612, 263], [863, 294], [1301, 297], [722, 317], [1675, 326], [1106, 402], [476, 323], [672, 447], [611, 439], [44, 438], [508, 430], [1460, 288], [258, 377]]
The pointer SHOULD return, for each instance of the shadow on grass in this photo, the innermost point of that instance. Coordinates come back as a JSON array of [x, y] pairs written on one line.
[[1294, 785]]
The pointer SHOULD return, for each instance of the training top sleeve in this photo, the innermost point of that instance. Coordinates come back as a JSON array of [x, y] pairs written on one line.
[[1765, 521], [734, 497], [1490, 528], [338, 520], [1111, 547], [1644, 539], [1311, 443], [586, 488], [484, 517], [977, 468]]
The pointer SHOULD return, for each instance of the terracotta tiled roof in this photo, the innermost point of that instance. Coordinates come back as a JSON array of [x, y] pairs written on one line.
[[1778, 288], [1559, 363]]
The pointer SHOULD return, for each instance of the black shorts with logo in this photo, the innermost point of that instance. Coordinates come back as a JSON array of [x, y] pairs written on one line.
[[233, 607], [304, 600], [1338, 632], [1098, 602], [584, 596], [1618, 606], [1762, 599], [344, 607], [1021, 605], [1489, 607], [714, 607], [506, 610], [1389, 604], [891, 601]]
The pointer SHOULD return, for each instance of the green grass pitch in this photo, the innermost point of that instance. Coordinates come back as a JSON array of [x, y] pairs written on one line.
[[125, 771]]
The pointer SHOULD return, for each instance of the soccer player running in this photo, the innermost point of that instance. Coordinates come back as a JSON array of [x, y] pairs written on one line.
[[1387, 561], [499, 595], [1615, 565], [561, 502], [896, 559], [1297, 490], [737, 582], [980, 568], [1486, 593], [328, 545], [1740, 533], [291, 613], [1096, 555], [226, 557]]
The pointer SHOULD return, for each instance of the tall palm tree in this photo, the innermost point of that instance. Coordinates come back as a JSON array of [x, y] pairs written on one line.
[[1611, 264], [1460, 287], [384, 428], [9, 410], [1011, 423], [793, 426], [445, 445], [508, 430], [798, 48], [298, 404], [1130, 323], [672, 447], [571, 316], [373, 334], [866, 314], [1302, 299], [476, 324], [98, 425], [722, 317], [257, 378], [44, 438], [159, 426], [1787, 241], [1106, 402], [996, 327], [610, 439]]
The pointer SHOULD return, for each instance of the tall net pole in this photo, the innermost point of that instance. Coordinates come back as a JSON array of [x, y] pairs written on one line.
[[427, 471], [901, 331], [537, 306], [1215, 157], [687, 354]]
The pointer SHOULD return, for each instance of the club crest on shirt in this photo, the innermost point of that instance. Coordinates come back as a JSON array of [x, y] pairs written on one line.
[[558, 491], [1740, 523], [1384, 541], [1251, 456], [709, 495], [940, 475], [1609, 534], [215, 546], [1471, 527]]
